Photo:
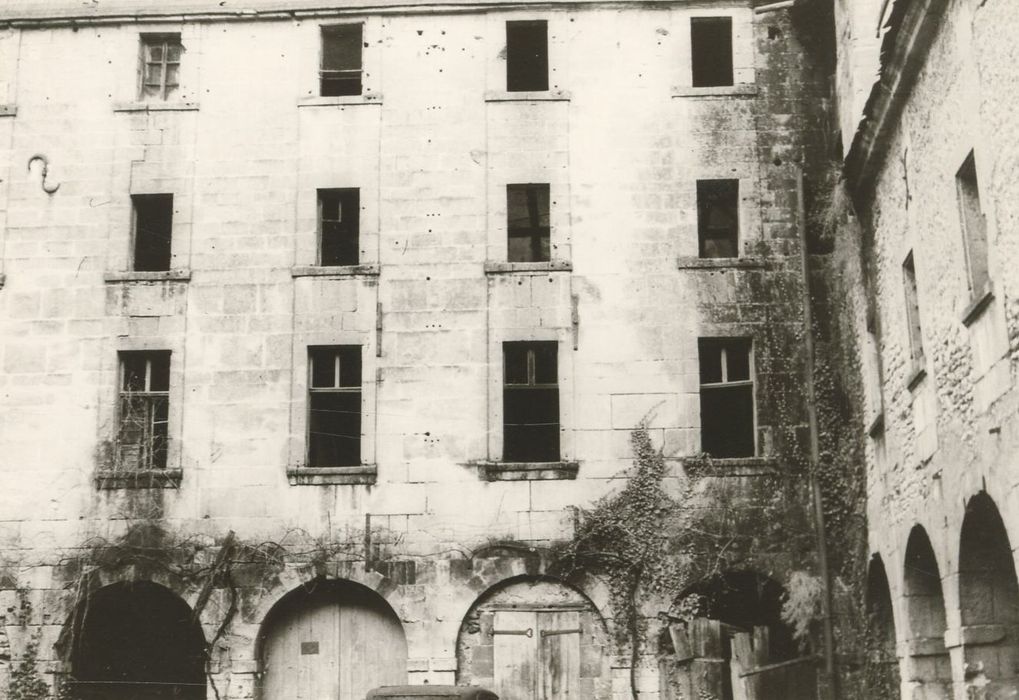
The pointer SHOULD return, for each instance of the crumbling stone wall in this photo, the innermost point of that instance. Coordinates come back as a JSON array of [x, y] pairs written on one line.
[[935, 441]]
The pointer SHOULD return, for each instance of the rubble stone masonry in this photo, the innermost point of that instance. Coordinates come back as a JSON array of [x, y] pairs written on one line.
[[940, 455]]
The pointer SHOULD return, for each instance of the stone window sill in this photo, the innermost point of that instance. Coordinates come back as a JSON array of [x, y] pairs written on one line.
[[527, 471], [738, 90], [916, 376], [155, 107], [980, 301], [743, 263], [329, 476], [706, 465], [502, 268], [341, 100], [138, 479], [535, 96], [8, 110], [334, 271], [183, 275]]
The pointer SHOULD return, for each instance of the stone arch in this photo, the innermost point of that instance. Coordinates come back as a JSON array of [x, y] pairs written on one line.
[[735, 602], [988, 601], [330, 638], [929, 669], [137, 641], [307, 577], [535, 637], [743, 599], [883, 678]]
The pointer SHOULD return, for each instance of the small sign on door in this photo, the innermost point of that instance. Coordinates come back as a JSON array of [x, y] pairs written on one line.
[[308, 648]]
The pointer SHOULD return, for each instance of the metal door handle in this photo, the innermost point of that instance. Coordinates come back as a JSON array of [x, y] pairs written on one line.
[[549, 633], [529, 632]]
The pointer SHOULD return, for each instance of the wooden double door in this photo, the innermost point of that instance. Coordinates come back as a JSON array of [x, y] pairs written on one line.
[[333, 650], [537, 654]]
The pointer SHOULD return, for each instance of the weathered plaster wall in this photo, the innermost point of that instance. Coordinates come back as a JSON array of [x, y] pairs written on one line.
[[431, 149]]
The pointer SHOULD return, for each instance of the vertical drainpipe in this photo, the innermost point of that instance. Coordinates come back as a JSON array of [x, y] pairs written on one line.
[[831, 690]]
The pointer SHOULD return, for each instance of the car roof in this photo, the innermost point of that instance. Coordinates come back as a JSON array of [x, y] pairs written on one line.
[[459, 692]]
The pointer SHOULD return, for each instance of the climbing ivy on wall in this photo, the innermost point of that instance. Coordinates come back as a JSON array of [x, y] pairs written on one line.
[[654, 537], [624, 537], [25, 682], [149, 551], [842, 464]]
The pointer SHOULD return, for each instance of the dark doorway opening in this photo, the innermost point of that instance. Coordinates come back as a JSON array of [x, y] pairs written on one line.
[[882, 670], [989, 601], [137, 641]]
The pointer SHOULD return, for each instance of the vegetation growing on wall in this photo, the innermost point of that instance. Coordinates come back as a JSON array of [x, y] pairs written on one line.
[[841, 309], [654, 538], [199, 565], [625, 537], [25, 682]]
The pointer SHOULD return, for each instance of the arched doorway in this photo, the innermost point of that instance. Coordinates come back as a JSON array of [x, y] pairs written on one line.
[[929, 670], [722, 607], [331, 639], [535, 639], [988, 601], [883, 679], [137, 641]]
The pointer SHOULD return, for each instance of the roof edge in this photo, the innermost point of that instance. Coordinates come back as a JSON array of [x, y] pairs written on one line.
[[910, 27], [199, 11]]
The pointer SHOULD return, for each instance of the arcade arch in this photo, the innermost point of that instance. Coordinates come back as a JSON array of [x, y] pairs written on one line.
[[330, 639]]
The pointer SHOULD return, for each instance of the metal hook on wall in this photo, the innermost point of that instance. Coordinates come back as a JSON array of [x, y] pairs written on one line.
[[48, 189]]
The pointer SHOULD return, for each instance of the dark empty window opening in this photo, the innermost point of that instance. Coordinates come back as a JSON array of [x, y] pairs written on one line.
[[160, 65], [530, 402], [527, 221], [153, 229], [341, 60], [974, 225], [334, 406], [527, 56], [143, 413], [718, 218], [339, 219], [727, 397], [912, 309], [711, 51]]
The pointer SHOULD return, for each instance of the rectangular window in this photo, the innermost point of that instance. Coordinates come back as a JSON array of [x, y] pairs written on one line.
[[143, 411], [530, 402], [153, 228], [718, 218], [334, 406], [527, 56], [527, 222], [974, 224], [912, 309], [160, 65], [341, 60], [711, 51], [727, 397], [339, 226]]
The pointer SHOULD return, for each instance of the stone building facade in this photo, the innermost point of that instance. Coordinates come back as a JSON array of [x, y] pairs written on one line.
[[924, 269], [277, 280]]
